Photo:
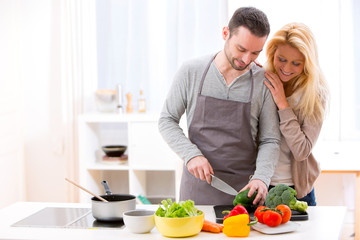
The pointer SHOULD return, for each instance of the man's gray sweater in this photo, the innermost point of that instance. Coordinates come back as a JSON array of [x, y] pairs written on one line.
[[183, 95]]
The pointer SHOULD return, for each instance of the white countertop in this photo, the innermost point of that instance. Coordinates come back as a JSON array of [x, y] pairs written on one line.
[[338, 155], [324, 223]]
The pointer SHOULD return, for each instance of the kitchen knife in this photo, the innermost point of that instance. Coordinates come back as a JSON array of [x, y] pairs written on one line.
[[222, 186]]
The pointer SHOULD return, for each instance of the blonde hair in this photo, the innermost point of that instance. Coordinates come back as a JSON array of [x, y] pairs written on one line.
[[310, 92]]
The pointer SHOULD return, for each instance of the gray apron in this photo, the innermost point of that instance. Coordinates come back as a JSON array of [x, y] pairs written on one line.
[[221, 129]]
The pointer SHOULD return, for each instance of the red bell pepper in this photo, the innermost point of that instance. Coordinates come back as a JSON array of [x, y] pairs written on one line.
[[238, 209]]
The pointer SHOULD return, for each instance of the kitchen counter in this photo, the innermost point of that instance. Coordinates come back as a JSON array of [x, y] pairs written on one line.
[[342, 157], [324, 223]]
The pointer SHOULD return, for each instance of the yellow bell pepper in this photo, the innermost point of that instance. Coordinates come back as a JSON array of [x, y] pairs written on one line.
[[237, 226]]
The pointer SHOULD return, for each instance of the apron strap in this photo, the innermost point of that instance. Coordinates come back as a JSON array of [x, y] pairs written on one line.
[[204, 74], [207, 69], [252, 85]]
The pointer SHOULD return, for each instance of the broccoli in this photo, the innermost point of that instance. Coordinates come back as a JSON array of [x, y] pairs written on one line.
[[283, 194]]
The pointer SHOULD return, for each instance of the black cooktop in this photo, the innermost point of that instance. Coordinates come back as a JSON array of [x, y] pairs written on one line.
[[58, 217]]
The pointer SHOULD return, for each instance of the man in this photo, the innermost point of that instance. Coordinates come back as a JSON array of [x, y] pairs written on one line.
[[233, 125]]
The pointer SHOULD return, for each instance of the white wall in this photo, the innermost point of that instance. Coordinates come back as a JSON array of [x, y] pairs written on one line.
[[37, 72], [11, 126], [44, 148]]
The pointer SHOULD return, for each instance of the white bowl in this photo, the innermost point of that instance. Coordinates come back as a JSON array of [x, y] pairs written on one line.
[[139, 221], [105, 100]]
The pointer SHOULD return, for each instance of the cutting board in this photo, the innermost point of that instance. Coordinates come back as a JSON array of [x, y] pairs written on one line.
[[295, 215], [282, 228]]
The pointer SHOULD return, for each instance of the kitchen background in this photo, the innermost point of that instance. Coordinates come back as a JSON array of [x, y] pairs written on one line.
[[55, 54]]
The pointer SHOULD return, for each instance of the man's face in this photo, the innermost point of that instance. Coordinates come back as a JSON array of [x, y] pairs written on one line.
[[242, 48]]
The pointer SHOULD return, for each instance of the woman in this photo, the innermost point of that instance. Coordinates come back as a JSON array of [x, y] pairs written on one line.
[[301, 94]]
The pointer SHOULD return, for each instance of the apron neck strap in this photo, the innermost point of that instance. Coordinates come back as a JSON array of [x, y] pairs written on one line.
[[204, 74], [252, 85], [207, 69]]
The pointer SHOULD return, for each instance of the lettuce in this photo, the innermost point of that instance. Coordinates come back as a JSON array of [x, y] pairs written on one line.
[[177, 210]]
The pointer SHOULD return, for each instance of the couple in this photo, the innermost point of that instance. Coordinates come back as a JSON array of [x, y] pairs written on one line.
[[234, 109]]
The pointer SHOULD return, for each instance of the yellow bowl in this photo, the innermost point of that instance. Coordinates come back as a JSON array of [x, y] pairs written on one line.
[[179, 227]]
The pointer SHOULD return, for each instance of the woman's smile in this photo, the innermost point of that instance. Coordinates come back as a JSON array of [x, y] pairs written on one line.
[[288, 62]]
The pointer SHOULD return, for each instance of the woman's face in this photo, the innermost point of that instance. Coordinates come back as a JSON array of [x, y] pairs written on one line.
[[288, 62]]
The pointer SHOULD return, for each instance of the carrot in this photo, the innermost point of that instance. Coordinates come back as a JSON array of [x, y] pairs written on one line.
[[221, 227], [209, 226]]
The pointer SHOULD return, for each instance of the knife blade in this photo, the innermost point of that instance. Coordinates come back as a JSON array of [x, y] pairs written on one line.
[[222, 186]]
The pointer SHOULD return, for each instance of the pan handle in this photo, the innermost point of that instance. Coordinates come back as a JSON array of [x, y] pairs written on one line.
[[106, 186]]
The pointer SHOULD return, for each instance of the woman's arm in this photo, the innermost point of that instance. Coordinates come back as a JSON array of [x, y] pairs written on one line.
[[300, 137]]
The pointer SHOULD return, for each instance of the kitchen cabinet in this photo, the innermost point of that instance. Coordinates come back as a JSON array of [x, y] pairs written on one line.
[[152, 170], [341, 157]]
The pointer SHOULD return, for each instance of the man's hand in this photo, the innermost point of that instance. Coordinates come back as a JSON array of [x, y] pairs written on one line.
[[200, 167], [261, 188]]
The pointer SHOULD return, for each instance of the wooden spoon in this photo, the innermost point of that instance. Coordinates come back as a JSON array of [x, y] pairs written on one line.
[[97, 196]]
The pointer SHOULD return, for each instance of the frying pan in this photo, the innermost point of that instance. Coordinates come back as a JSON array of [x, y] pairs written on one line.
[[115, 207]]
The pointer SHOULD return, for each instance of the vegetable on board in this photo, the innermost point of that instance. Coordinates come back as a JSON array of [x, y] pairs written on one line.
[[283, 194], [238, 209], [238, 226], [243, 199], [212, 227], [174, 210], [259, 213], [286, 212], [272, 218]]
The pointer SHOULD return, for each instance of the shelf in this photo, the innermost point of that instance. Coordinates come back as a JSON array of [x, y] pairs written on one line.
[[151, 168], [101, 166], [115, 117]]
